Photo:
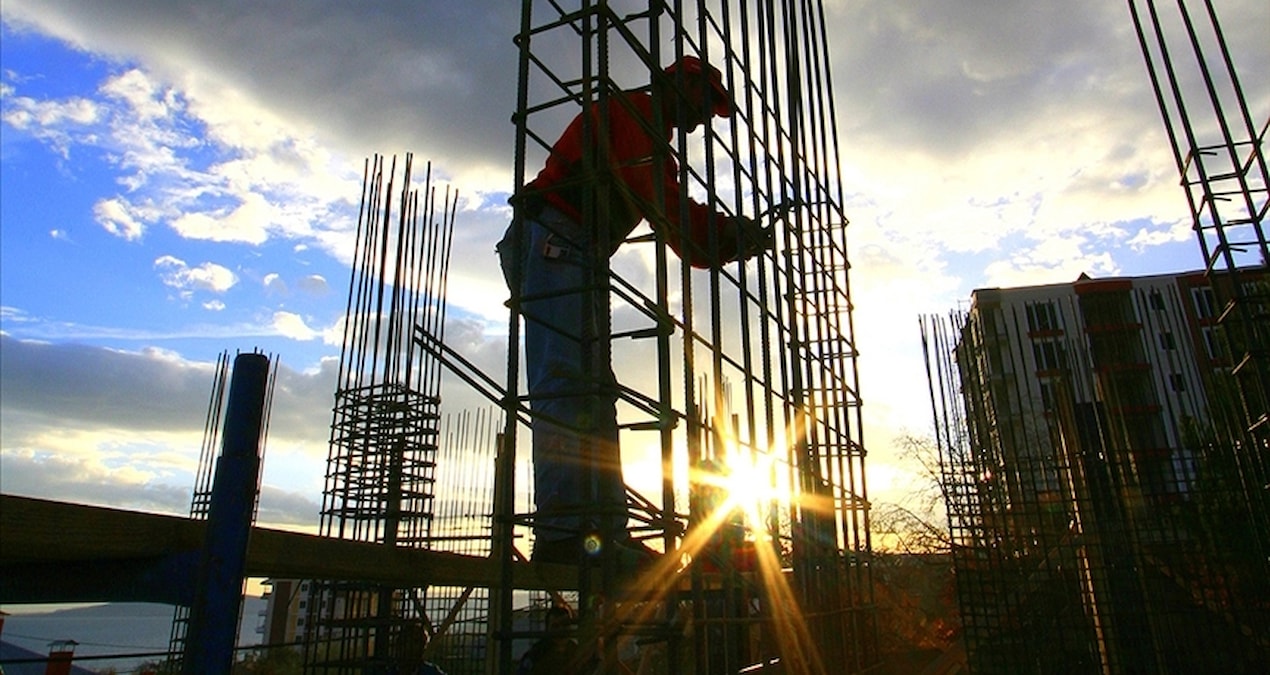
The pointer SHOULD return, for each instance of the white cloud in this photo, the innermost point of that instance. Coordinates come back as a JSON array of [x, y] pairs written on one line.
[[48, 120], [27, 114], [292, 325], [314, 284], [116, 216], [1049, 262], [90, 467], [1177, 231], [247, 223], [274, 285], [266, 178], [206, 277], [143, 95]]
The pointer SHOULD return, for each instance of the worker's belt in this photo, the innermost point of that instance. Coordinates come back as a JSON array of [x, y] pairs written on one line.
[[565, 238]]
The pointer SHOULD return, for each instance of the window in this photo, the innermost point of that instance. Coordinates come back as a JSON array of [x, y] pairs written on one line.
[[1205, 303], [1213, 343], [1048, 355], [1049, 395], [1156, 299], [1257, 297], [1177, 382], [1166, 341], [1041, 317]]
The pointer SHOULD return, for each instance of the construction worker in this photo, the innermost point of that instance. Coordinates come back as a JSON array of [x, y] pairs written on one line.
[[556, 653], [559, 257], [409, 645]]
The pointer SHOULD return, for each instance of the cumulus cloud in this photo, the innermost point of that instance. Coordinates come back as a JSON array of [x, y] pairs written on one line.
[[46, 120], [274, 285], [1148, 237], [79, 478], [279, 507], [208, 276], [27, 114], [122, 428], [1019, 120], [293, 326], [116, 217], [263, 180], [247, 222], [141, 390], [147, 100], [440, 78], [314, 284]]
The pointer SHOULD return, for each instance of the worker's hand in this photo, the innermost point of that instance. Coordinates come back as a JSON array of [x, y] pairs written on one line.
[[752, 238]]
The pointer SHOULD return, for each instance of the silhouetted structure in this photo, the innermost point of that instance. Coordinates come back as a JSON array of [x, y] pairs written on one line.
[[380, 479], [201, 500], [747, 368], [1106, 447], [1221, 160], [746, 371], [1098, 523]]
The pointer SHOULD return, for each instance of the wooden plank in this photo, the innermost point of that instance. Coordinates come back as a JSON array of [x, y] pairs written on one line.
[[43, 531], [33, 530]]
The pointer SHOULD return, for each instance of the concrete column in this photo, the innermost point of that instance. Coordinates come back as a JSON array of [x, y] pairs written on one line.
[[213, 625]]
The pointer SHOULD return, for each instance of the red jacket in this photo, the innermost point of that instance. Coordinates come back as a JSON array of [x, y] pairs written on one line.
[[633, 195]]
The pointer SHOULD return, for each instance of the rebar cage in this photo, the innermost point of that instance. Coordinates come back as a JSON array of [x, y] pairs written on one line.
[[744, 368]]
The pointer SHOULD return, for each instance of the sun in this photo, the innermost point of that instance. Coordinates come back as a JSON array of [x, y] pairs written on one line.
[[748, 485]]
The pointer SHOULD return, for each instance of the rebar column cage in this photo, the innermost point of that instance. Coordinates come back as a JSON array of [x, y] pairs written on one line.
[[1220, 154], [747, 367], [381, 471]]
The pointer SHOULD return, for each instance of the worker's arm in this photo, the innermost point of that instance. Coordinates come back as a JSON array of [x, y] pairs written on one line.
[[734, 237]]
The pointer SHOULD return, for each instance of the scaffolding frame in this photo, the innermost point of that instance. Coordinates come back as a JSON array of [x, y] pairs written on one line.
[[755, 362], [1221, 162]]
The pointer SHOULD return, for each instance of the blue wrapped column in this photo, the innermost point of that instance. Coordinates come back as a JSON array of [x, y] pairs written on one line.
[[213, 624]]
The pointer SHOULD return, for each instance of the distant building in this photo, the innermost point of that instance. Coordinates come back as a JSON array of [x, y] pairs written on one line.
[[1137, 356], [282, 619], [288, 611], [1095, 487], [59, 660]]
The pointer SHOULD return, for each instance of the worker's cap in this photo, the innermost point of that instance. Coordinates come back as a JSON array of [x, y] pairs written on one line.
[[720, 100], [556, 611]]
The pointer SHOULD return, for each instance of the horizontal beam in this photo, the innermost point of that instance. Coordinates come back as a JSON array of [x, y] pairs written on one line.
[[46, 545]]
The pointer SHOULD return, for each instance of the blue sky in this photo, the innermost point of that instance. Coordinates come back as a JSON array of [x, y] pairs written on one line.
[[181, 178]]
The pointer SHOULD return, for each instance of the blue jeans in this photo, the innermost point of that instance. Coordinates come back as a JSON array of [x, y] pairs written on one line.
[[578, 485]]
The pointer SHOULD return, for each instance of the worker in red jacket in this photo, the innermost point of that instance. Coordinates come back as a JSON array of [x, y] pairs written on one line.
[[611, 168]]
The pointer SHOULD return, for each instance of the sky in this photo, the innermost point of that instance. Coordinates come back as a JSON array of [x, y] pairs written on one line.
[[181, 178]]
